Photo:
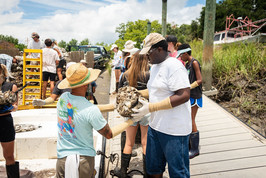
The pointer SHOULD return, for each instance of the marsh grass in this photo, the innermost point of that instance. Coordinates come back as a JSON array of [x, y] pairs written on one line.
[[239, 74], [246, 59]]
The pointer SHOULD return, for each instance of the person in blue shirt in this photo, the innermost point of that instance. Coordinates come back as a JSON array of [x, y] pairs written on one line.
[[77, 117], [7, 60]]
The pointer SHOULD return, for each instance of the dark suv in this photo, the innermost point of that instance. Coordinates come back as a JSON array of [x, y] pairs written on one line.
[[101, 57]]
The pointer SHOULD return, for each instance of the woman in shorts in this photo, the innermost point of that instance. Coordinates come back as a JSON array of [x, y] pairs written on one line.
[[7, 131]]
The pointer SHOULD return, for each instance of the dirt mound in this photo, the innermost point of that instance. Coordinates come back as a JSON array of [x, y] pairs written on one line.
[[8, 48], [6, 45]]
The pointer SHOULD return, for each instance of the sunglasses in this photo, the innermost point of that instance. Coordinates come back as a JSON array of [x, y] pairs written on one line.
[[151, 50]]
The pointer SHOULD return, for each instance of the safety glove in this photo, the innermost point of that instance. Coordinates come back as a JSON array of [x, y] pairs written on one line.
[[152, 107]]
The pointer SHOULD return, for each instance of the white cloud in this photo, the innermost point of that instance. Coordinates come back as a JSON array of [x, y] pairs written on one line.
[[7, 5], [96, 24]]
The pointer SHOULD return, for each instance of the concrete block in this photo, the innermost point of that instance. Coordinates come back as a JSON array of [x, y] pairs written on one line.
[[89, 57]]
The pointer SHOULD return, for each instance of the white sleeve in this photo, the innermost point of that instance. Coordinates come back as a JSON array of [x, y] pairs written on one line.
[[179, 79], [29, 45], [56, 56]]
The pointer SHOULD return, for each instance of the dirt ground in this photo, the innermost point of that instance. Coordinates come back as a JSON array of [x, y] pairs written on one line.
[[245, 98]]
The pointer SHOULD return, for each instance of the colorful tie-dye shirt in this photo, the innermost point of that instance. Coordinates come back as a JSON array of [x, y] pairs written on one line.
[[77, 118]]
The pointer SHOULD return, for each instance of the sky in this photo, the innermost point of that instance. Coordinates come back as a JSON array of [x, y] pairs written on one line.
[[92, 19]]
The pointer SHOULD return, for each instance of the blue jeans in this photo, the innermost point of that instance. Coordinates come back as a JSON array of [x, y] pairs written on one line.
[[162, 148]]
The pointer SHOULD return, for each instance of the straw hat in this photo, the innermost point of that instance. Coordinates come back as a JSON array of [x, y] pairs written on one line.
[[78, 75]]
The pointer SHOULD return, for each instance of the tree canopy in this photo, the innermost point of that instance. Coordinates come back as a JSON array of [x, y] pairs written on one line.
[[85, 42]]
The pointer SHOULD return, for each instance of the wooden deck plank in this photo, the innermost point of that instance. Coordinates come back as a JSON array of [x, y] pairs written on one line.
[[230, 165], [204, 128], [227, 155], [226, 139], [248, 172], [213, 122], [217, 133], [227, 146]]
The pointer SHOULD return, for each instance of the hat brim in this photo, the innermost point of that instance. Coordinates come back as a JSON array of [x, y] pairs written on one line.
[[94, 74], [126, 50], [145, 50]]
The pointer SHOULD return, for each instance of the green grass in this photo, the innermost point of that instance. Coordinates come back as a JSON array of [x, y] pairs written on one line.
[[245, 59]]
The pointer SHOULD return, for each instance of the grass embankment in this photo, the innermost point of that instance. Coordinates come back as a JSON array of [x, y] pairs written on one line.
[[239, 72]]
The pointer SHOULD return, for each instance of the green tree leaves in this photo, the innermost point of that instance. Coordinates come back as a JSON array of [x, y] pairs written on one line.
[[137, 31], [62, 44], [85, 42]]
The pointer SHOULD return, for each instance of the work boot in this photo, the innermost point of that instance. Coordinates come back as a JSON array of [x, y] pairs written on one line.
[[12, 171], [122, 172], [194, 142], [116, 87], [144, 166]]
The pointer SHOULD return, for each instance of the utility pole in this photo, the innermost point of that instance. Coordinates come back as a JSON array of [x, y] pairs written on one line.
[[208, 35], [164, 15], [148, 27]]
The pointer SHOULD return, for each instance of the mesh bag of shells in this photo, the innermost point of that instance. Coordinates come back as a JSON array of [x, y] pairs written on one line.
[[6, 100], [7, 97], [127, 99]]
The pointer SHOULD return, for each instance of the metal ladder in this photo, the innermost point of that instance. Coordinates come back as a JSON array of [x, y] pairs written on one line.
[[28, 78]]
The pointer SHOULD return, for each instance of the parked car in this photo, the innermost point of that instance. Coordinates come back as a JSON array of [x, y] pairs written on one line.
[[101, 57]]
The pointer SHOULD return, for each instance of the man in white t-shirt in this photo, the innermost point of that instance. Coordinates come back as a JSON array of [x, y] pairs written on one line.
[[35, 43], [170, 123], [50, 60]]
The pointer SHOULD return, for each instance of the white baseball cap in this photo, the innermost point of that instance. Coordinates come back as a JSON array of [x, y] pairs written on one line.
[[69, 64], [83, 61], [113, 46]]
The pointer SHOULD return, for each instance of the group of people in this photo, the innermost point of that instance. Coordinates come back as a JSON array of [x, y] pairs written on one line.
[[53, 61], [172, 85]]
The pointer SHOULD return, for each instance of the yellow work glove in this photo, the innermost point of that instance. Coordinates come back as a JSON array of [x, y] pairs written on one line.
[[116, 130], [194, 85], [106, 107], [164, 104]]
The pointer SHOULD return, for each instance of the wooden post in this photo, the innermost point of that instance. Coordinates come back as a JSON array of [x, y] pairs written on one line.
[[148, 27], [208, 35], [164, 15]]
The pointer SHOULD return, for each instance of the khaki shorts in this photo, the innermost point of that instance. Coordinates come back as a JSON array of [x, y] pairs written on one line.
[[86, 167]]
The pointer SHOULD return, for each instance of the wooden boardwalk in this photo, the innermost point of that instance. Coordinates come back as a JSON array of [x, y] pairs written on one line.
[[228, 148]]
